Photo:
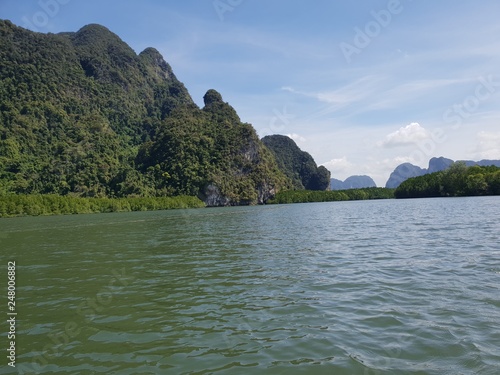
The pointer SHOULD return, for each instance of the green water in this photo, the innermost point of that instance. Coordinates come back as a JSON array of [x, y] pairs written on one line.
[[372, 287]]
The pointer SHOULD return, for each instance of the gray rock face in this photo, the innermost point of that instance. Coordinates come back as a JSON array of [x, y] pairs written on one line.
[[336, 184], [353, 182], [402, 173], [439, 164], [264, 193], [214, 198], [359, 182]]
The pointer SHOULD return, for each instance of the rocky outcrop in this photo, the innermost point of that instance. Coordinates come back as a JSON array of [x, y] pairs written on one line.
[[402, 173], [212, 96], [439, 164], [212, 197], [265, 192]]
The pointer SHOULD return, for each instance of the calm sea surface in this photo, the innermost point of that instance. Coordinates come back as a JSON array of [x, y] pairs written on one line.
[[371, 287]]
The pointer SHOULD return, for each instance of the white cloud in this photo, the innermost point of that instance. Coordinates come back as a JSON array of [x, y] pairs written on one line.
[[488, 146], [347, 95], [338, 165], [409, 134], [296, 137]]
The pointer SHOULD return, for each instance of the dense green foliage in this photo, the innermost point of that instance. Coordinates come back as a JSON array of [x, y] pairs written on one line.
[[74, 109], [34, 205], [216, 148], [82, 114], [297, 165], [457, 181], [305, 196]]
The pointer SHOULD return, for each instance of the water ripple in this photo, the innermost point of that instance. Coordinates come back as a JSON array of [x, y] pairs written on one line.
[[380, 287]]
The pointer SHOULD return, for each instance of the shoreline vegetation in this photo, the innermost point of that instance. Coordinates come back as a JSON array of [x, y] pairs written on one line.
[[457, 181], [47, 205], [14, 205], [309, 196]]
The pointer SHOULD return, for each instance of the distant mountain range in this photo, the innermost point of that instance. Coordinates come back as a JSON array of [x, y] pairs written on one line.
[[406, 170], [353, 182]]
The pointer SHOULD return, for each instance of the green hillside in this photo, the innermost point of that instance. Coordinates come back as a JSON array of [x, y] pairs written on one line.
[[297, 165], [82, 114]]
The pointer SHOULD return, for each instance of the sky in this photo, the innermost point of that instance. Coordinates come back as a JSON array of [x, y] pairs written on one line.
[[363, 86]]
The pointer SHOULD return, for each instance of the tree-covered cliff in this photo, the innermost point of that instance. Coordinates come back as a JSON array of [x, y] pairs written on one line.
[[210, 153], [82, 114], [297, 165]]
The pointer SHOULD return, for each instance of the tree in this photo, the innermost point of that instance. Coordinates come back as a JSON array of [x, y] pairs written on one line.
[[458, 181], [476, 184]]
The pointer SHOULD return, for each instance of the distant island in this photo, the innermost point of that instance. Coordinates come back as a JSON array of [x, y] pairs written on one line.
[[353, 182], [456, 181], [406, 170]]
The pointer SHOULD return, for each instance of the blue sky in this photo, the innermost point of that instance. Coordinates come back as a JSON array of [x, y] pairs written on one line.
[[361, 85]]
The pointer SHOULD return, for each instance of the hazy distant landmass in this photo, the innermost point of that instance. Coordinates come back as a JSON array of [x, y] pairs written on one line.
[[407, 170], [353, 182]]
